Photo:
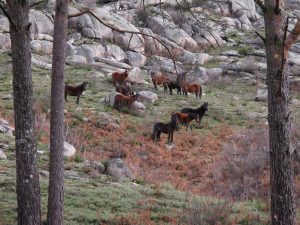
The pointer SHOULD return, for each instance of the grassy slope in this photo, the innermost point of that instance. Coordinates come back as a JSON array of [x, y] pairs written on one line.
[[188, 166]]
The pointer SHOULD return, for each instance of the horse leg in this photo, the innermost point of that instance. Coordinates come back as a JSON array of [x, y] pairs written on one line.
[[170, 89], [66, 94], [77, 101]]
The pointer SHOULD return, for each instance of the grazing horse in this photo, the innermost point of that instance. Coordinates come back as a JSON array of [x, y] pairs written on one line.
[[166, 128], [192, 88], [123, 89], [187, 118], [200, 111], [174, 85], [75, 91], [121, 100], [158, 80], [119, 77]]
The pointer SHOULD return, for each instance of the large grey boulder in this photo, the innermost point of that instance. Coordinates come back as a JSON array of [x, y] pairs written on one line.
[[5, 128], [168, 29], [246, 7], [41, 23], [194, 58], [2, 155], [115, 51], [138, 106], [136, 59], [118, 169], [89, 26], [41, 47], [136, 76], [147, 96], [76, 60], [5, 43], [4, 24], [164, 64], [152, 46], [87, 52]]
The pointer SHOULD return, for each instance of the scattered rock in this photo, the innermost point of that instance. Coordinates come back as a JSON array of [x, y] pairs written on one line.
[[7, 97], [2, 155], [262, 95], [135, 76], [138, 106], [41, 47], [118, 169], [75, 60], [69, 150], [295, 102], [136, 59], [5, 128], [44, 173]]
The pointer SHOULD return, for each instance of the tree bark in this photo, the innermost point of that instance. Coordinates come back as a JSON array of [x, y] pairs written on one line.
[[27, 187], [281, 180], [56, 168]]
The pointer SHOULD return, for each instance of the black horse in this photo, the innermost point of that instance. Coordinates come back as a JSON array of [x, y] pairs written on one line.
[[75, 91], [200, 111], [166, 128], [174, 85]]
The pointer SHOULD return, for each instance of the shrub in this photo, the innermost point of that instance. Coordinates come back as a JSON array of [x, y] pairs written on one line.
[[208, 212]]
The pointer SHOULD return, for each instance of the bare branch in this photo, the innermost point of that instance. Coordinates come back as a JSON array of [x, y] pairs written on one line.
[[36, 3], [126, 31], [261, 5], [4, 10], [259, 35], [293, 36]]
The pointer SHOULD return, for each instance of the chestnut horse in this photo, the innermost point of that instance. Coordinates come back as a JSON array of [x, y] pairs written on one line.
[[200, 111], [192, 88], [75, 91], [119, 77], [187, 118], [124, 101], [158, 80], [166, 128]]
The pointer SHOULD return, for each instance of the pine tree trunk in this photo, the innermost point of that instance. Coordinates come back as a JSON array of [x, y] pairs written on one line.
[[282, 199], [28, 189], [56, 169]]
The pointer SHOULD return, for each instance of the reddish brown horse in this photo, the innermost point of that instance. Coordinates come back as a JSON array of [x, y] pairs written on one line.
[[159, 80], [192, 88], [119, 77], [187, 118], [75, 91], [124, 101]]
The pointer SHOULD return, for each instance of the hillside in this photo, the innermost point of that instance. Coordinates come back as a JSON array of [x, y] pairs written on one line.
[[220, 167]]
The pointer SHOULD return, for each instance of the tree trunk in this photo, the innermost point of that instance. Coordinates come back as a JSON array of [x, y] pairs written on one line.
[[28, 189], [56, 168], [282, 199]]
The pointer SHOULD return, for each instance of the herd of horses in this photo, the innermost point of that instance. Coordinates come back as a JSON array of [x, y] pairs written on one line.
[[125, 97]]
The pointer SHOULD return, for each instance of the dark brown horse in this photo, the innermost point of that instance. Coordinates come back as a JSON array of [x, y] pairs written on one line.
[[159, 80], [75, 91], [192, 88], [166, 128], [174, 85], [200, 111], [119, 77], [124, 101], [187, 118], [123, 89]]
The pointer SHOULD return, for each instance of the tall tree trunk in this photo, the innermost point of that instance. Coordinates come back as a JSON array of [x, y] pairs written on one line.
[[282, 199], [28, 189], [56, 177]]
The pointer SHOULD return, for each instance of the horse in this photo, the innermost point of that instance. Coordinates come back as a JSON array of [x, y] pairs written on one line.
[[158, 80], [187, 118], [124, 89], [75, 91], [121, 100], [200, 111], [192, 88], [119, 77], [174, 85], [166, 128]]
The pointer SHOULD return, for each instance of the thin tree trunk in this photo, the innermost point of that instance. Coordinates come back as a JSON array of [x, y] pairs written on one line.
[[282, 199], [28, 189], [56, 177]]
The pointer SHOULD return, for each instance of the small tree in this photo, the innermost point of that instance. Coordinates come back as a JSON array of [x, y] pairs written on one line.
[[56, 168], [28, 189], [278, 42]]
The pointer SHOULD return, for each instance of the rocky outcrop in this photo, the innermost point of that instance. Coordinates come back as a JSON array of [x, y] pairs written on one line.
[[69, 150]]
